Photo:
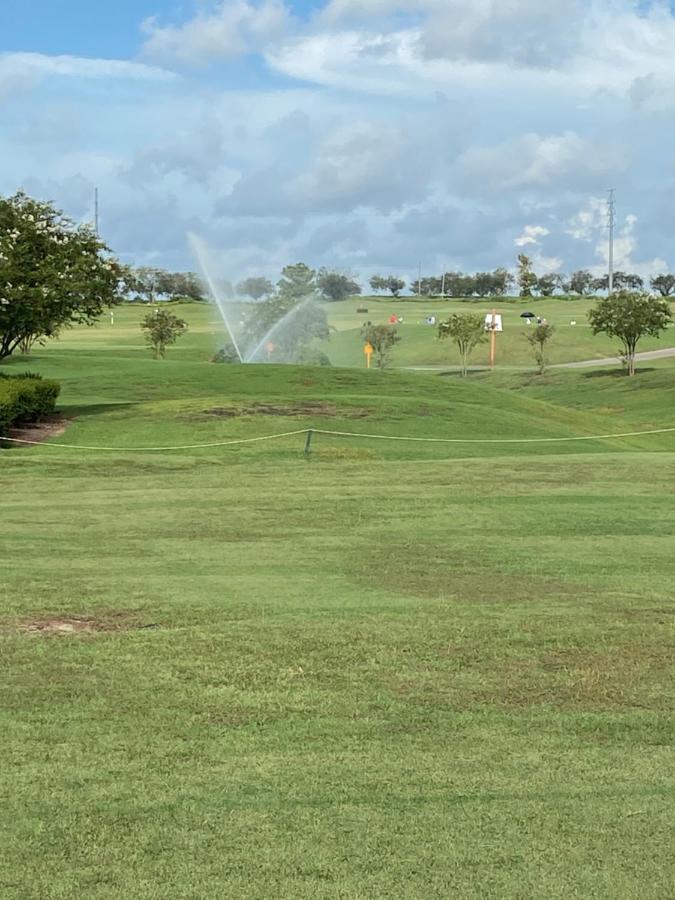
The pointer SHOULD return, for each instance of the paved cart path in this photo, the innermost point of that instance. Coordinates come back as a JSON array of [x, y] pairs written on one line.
[[583, 364]]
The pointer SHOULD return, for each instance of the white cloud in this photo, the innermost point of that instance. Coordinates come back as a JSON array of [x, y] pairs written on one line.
[[539, 161], [29, 68], [584, 225], [531, 240], [590, 225], [233, 28], [531, 235], [449, 131], [625, 248]]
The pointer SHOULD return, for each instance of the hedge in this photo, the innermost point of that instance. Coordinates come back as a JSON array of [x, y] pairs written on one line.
[[25, 398]]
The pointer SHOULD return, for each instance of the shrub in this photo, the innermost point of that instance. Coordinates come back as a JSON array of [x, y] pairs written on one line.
[[309, 357], [25, 398], [226, 354]]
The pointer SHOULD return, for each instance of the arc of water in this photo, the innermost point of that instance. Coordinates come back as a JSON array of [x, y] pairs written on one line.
[[198, 249], [290, 315]]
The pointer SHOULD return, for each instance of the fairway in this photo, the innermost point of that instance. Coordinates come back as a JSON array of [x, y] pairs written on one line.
[[385, 670]]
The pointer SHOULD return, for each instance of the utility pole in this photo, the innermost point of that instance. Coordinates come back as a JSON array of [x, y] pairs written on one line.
[[611, 222], [443, 284], [419, 282]]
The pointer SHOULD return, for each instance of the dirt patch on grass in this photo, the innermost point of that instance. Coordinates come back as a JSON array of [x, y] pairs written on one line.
[[307, 408], [72, 625], [37, 432]]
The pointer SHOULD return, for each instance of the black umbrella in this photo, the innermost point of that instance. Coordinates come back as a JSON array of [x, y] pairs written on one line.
[[527, 315]]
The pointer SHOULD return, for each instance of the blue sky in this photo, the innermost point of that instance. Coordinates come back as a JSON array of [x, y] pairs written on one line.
[[362, 134]]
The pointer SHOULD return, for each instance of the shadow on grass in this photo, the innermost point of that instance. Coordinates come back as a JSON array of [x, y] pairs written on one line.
[[94, 409], [617, 373]]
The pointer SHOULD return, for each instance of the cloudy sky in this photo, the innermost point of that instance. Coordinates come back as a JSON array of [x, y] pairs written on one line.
[[362, 134]]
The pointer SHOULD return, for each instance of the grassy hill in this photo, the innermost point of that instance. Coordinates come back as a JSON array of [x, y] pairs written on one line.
[[389, 670]]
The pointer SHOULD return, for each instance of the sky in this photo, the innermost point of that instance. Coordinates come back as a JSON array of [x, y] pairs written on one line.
[[363, 135]]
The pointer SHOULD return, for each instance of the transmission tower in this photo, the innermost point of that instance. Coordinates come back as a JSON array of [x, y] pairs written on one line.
[[611, 222]]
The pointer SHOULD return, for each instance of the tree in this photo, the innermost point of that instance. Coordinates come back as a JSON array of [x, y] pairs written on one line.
[[457, 284], [186, 284], [491, 284], [146, 283], [467, 330], [382, 338], [629, 316], [162, 329], [149, 283], [622, 281], [664, 284], [336, 286], [428, 287], [389, 283], [484, 284], [580, 282], [290, 323], [53, 274], [256, 288], [502, 281], [538, 338], [628, 281], [297, 282], [527, 280], [547, 285]]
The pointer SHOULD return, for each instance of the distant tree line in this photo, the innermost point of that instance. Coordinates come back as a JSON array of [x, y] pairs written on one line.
[[459, 284], [147, 284]]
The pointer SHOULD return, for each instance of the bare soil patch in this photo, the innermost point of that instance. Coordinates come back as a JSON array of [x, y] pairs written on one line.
[[71, 625], [307, 408], [37, 432]]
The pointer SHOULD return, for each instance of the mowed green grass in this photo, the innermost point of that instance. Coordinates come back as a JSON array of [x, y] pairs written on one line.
[[419, 345], [387, 671]]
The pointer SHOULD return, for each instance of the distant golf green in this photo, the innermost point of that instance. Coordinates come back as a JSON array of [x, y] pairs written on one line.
[[387, 670]]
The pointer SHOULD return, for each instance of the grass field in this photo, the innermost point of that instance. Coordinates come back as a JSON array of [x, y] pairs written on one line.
[[419, 343], [391, 670]]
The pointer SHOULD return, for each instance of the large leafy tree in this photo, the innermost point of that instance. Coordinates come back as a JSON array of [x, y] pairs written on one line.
[[256, 287], [297, 282], [467, 330], [630, 316], [527, 280], [290, 320], [622, 281], [53, 274], [336, 286], [580, 282], [548, 284], [149, 283], [664, 284], [387, 283]]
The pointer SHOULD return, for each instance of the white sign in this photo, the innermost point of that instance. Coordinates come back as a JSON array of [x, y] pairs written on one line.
[[493, 322]]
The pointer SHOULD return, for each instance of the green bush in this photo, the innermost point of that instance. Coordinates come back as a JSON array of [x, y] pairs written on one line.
[[25, 398]]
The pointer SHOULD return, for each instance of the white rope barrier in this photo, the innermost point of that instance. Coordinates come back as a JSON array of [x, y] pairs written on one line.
[[267, 437], [347, 434], [590, 437]]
